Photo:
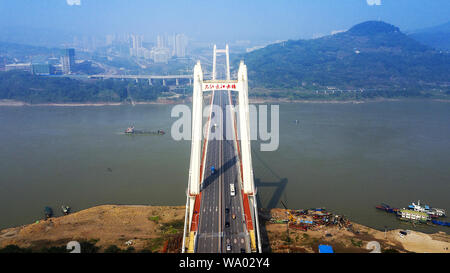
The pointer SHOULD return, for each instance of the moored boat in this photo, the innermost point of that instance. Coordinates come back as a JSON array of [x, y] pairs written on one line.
[[386, 208], [48, 212], [65, 209], [413, 216], [433, 212], [440, 223]]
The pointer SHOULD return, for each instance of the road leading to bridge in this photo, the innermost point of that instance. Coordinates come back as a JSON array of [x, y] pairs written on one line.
[[221, 221]]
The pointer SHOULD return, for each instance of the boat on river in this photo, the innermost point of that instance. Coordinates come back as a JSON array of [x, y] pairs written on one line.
[[433, 212], [132, 131]]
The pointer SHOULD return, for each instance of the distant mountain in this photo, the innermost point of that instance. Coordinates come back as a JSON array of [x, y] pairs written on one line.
[[21, 50], [437, 37], [370, 55], [35, 36]]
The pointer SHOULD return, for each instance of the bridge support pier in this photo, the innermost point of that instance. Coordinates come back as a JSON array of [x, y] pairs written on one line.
[[176, 82], [150, 82], [164, 82]]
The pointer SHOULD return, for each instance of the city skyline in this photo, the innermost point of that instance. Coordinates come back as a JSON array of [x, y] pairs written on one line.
[[202, 20]]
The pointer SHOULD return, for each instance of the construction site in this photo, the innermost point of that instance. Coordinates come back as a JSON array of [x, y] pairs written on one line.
[[310, 230]]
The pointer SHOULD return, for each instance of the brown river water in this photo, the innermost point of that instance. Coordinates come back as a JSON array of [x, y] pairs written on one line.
[[345, 157]]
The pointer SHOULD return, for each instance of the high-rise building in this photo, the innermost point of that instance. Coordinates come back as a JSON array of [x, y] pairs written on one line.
[[172, 44], [68, 60], [110, 38], [136, 45], [160, 41], [160, 55], [180, 45], [42, 69]]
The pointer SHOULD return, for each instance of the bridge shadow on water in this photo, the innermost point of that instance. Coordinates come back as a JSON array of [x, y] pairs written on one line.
[[275, 190]]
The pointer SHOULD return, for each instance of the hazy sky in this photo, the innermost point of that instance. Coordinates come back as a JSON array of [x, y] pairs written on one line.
[[221, 20]]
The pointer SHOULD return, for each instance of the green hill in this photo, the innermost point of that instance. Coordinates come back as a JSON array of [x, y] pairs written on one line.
[[373, 56], [437, 37], [23, 86]]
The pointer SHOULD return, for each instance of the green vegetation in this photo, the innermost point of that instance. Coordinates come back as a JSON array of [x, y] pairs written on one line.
[[154, 218], [173, 227], [130, 249], [389, 250], [29, 88], [86, 247], [112, 249], [356, 243], [287, 238], [54, 249], [89, 246], [374, 57], [14, 249], [116, 249], [155, 243]]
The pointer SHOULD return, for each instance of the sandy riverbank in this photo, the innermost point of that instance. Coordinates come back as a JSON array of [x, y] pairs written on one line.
[[152, 228]]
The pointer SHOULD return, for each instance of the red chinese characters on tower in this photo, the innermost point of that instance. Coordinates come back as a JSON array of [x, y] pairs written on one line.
[[218, 86]]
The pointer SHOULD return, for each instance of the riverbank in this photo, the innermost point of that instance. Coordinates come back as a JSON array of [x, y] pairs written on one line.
[[354, 239], [350, 101], [188, 100], [116, 228], [21, 103], [145, 228]]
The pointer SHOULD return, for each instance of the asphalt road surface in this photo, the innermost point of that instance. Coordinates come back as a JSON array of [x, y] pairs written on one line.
[[217, 226]]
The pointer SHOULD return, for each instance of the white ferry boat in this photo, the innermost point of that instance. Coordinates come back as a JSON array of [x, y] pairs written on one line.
[[433, 212]]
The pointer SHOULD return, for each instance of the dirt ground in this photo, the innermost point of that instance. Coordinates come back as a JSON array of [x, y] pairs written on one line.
[[152, 228], [107, 225]]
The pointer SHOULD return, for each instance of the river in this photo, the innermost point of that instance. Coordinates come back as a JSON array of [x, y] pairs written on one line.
[[345, 157]]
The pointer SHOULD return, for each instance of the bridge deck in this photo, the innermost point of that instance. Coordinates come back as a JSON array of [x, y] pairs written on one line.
[[217, 227]]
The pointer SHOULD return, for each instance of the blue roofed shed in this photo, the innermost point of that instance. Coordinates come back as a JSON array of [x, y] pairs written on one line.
[[325, 249]]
